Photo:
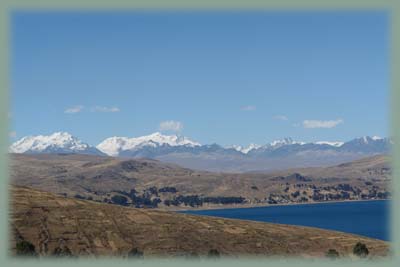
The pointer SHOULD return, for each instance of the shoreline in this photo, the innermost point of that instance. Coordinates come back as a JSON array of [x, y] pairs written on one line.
[[197, 212], [245, 206]]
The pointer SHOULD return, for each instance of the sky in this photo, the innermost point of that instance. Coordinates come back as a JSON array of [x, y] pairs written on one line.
[[217, 77]]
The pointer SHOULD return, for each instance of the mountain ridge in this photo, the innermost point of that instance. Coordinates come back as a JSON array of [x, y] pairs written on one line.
[[279, 154], [58, 142], [97, 177]]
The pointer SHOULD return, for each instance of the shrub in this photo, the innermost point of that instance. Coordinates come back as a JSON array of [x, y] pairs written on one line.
[[361, 250], [295, 194], [303, 199], [62, 252], [25, 248], [213, 254], [168, 189], [120, 200], [153, 190], [286, 189], [332, 254], [135, 253]]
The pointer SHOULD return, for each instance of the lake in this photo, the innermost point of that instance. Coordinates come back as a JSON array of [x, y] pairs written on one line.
[[367, 218]]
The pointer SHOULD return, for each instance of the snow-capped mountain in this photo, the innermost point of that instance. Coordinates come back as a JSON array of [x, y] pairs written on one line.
[[276, 144], [245, 149], [59, 142], [334, 143], [362, 144], [114, 146], [279, 154], [283, 142], [270, 146], [367, 144]]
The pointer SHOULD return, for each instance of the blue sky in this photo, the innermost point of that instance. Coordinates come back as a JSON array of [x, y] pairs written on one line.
[[224, 77]]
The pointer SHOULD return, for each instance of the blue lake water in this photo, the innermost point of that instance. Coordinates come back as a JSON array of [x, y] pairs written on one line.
[[367, 218]]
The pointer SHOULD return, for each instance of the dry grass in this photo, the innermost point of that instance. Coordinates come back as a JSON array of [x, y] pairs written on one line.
[[92, 229]]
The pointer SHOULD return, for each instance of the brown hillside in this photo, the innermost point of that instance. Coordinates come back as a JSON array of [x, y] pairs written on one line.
[[87, 228], [100, 178]]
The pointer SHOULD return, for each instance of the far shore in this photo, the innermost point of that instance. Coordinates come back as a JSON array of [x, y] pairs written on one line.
[[244, 206]]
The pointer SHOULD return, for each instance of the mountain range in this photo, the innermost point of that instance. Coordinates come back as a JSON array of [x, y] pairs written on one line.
[[280, 154], [59, 142]]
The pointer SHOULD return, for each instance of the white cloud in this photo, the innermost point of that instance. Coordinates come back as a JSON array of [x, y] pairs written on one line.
[[248, 108], [321, 124], [12, 134], [105, 109], [72, 110], [281, 117], [175, 126]]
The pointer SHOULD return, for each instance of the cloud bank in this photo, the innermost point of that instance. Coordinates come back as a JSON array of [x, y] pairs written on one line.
[[105, 109], [312, 124], [73, 110]]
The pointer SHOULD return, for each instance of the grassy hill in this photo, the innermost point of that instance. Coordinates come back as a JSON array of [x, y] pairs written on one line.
[[151, 181], [67, 226]]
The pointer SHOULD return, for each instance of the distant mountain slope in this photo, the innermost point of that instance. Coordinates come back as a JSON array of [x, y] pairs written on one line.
[[376, 166], [144, 181], [277, 155], [367, 144], [55, 225]]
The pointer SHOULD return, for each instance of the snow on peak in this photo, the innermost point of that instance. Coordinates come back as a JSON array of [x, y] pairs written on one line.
[[245, 150], [330, 143], [270, 146], [236, 147], [367, 139], [283, 142], [42, 143], [114, 145]]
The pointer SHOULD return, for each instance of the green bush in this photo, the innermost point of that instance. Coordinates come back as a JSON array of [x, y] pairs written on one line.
[[213, 254], [135, 253], [332, 254], [25, 248], [120, 200], [361, 250]]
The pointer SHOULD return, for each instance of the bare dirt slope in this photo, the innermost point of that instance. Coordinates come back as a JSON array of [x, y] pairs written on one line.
[[87, 228]]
